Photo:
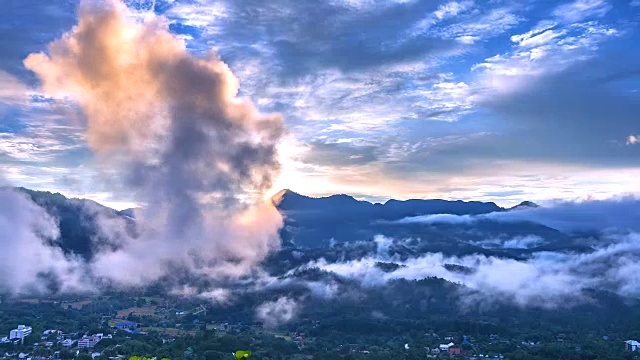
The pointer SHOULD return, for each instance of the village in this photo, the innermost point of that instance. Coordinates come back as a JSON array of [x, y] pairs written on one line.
[[56, 344], [181, 329]]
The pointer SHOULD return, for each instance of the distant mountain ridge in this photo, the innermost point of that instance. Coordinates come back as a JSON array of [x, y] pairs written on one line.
[[287, 201], [309, 222], [321, 221]]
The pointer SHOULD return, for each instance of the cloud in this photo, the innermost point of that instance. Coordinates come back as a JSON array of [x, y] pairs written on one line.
[[26, 26], [438, 219], [545, 280], [633, 139], [579, 10], [524, 242], [29, 262], [275, 313], [13, 91], [452, 9], [298, 36], [619, 214], [38, 144], [493, 22], [171, 128], [340, 154]]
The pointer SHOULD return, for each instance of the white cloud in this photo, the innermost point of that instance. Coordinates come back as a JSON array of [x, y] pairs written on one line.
[[541, 51], [480, 27], [633, 139], [540, 39], [12, 91], [202, 14], [40, 144], [616, 214], [275, 313], [579, 10], [545, 280], [452, 9], [26, 231]]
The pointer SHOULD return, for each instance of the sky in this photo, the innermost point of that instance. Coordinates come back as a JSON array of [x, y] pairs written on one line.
[[491, 100]]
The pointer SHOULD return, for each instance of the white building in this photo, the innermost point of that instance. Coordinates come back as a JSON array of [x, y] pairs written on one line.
[[4, 340], [89, 341], [445, 347], [632, 345], [68, 343], [20, 333]]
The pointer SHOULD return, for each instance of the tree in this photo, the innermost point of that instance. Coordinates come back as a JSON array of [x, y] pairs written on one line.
[[83, 356], [66, 355]]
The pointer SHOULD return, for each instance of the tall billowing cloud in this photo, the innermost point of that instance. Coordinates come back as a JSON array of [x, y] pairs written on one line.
[[198, 157]]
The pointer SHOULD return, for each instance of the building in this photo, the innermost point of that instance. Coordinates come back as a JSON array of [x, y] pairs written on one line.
[[68, 343], [89, 341], [20, 333], [631, 345], [445, 347], [126, 325], [454, 350]]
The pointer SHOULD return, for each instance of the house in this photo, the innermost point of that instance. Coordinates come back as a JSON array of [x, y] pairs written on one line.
[[454, 350], [20, 333], [95, 355], [445, 347], [631, 345], [89, 341], [23, 355], [435, 351], [126, 325], [4, 340], [48, 344], [68, 343]]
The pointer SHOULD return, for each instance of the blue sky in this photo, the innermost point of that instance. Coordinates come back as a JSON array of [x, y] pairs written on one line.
[[488, 100]]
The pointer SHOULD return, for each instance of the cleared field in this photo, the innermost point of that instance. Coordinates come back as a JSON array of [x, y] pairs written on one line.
[[139, 311], [163, 330], [75, 304], [37, 301]]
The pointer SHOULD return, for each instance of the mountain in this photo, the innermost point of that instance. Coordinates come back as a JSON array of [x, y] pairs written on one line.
[[79, 222], [524, 205], [319, 222], [340, 205]]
